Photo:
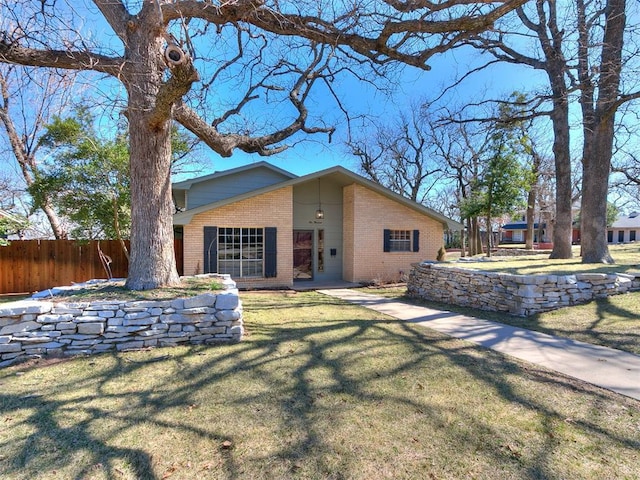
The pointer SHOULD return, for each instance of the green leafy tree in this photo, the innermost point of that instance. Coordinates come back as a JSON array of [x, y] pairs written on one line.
[[88, 177], [500, 187], [9, 225]]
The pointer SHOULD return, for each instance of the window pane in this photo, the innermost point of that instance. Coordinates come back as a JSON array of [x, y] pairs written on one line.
[[400, 240], [240, 252]]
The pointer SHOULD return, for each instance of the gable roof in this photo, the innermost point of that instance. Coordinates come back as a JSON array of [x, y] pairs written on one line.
[[337, 173], [187, 184], [632, 221], [520, 226]]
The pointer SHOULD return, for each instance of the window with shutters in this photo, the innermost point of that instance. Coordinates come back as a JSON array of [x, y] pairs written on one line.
[[241, 252], [401, 240]]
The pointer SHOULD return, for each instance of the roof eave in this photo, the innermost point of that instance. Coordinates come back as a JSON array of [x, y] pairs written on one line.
[[183, 218]]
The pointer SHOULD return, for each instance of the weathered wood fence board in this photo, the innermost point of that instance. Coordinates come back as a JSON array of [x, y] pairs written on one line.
[[32, 265]]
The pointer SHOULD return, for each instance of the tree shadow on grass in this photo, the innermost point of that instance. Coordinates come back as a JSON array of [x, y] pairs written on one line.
[[627, 339], [599, 331], [317, 380]]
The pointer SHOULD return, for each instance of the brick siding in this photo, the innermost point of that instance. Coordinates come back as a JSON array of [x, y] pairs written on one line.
[[366, 215], [273, 209]]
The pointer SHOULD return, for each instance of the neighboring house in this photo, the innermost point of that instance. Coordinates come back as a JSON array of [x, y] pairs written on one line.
[[516, 232], [624, 229], [267, 227]]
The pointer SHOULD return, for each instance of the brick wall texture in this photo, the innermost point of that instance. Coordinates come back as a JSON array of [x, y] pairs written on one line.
[[365, 216], [273, 209]]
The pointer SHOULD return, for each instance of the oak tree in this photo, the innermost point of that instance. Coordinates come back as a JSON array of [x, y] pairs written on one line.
[[268, 50], [586, 49]]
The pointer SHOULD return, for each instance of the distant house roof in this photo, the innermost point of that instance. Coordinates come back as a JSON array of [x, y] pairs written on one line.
[[630, 221], [339, 174], [520, 226]]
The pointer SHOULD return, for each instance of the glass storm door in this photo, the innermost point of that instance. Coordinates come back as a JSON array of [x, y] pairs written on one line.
[[303, 254]]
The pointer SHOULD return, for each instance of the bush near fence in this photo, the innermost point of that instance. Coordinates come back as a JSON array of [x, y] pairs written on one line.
[[30, 265]]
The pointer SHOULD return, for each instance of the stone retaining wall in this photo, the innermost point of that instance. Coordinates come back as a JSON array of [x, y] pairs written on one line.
[[521, 295], [32, 328], [517, 252]]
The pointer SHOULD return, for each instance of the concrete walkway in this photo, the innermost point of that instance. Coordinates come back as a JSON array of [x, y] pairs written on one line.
[[605, 367]]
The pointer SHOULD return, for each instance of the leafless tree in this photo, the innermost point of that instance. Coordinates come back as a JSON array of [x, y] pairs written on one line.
[[461, 147], [599, 78], [28, 99], [399, 155], [579, 46], [278, 50]]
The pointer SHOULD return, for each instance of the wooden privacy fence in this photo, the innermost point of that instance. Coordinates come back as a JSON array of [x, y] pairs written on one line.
[[32, 265]]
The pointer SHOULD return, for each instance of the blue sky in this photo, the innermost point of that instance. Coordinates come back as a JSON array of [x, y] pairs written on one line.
[[316, 153]]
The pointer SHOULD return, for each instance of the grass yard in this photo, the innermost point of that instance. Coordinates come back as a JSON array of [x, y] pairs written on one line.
[[626, 256], [319, 389], [612, 322]]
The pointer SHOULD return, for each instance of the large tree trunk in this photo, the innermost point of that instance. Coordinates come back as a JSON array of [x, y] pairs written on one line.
[[595, 188], [599, 122], [562, 231], [152, 260], [475, 238]]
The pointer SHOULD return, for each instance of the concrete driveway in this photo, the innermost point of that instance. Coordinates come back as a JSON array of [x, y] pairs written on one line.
[[605, 367]]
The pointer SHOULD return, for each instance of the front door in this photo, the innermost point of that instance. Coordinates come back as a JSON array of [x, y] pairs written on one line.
[[303, 254]]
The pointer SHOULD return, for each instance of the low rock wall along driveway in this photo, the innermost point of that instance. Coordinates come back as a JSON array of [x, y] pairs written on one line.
[[521, 295]]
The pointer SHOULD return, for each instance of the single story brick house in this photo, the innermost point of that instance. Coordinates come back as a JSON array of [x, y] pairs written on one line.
[[267, 227], [516, 232], [625, 229]]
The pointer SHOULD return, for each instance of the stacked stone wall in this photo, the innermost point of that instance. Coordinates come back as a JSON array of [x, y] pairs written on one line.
[[521, 295], [33, 328], [518, 252]]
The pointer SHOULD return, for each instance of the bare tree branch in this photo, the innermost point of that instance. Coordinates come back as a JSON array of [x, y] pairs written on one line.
[[72, 60], [116, 15]]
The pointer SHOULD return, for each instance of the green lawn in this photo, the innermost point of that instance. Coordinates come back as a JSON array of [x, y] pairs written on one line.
[[612, 322], [627, 258], [319, 389]]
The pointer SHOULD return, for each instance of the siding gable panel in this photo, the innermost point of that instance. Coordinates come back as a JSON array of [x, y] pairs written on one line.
[[217, 189]]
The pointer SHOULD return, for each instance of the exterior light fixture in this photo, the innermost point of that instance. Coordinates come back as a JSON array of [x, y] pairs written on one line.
[[319, 211]]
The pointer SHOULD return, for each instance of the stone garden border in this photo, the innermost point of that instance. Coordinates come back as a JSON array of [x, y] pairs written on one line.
[[33, 328], [520, 295]]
